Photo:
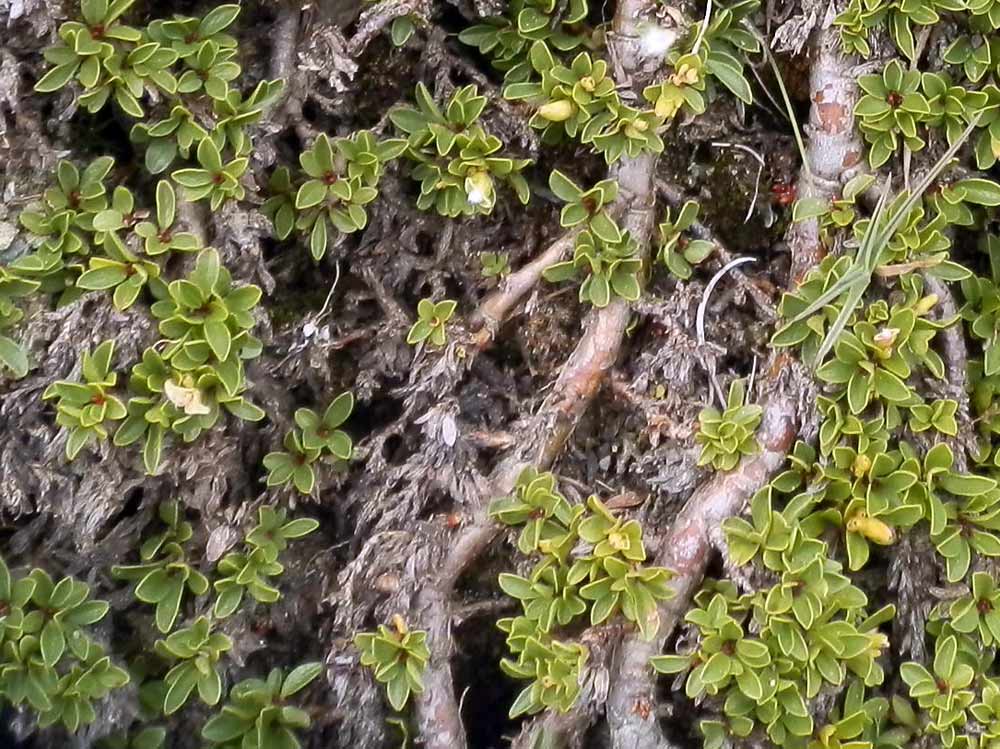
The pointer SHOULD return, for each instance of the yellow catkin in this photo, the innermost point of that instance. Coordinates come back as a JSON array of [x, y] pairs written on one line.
[[557, 111], [871, 528], [399, 624]]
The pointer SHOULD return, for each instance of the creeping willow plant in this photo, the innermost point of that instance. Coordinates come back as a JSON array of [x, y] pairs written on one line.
[[582, 206], [252, 569], [48, 659], [728, 436], [606, 255], [764, 654], [397, 657], [12, 356], [591, 561], [207, 321], [677, 251], [609, 261], [195, 651], [316, 436], [339, 178], [431, 320], [507, 39], [258, 716], [214, 178], [757, 656], [890, 110], [165, 574], [86, 409], [457, 162]]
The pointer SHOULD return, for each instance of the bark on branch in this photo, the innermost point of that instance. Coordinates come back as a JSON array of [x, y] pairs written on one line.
[[284, 53], [834, 148], [596, 352], [497, 307], [541, 440], [686, 550], [377, 17]]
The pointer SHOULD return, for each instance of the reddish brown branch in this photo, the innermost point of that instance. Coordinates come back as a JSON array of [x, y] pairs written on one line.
[[834, 148], [495, 308], [540, 440], [685, 549]]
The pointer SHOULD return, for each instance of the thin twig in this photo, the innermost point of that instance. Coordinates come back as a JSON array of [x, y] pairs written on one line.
[[540, 441], [700, 318], [703, 29], [496, 307], [703, 305]]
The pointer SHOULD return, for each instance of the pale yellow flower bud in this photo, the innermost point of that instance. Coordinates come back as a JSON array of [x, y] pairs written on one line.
[[557, 111], [926, 304]]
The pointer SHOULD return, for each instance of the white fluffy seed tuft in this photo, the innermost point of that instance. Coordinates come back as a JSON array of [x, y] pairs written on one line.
[[655, 41]]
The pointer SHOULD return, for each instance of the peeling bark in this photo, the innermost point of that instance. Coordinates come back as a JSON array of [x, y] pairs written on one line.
[[834, 148]]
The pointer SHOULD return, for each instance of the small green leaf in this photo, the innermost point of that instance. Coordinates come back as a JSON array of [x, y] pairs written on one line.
[[299, 678], [563, 187]]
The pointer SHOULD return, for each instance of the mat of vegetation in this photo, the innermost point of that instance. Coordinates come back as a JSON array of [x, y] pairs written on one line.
[[453, 374]]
